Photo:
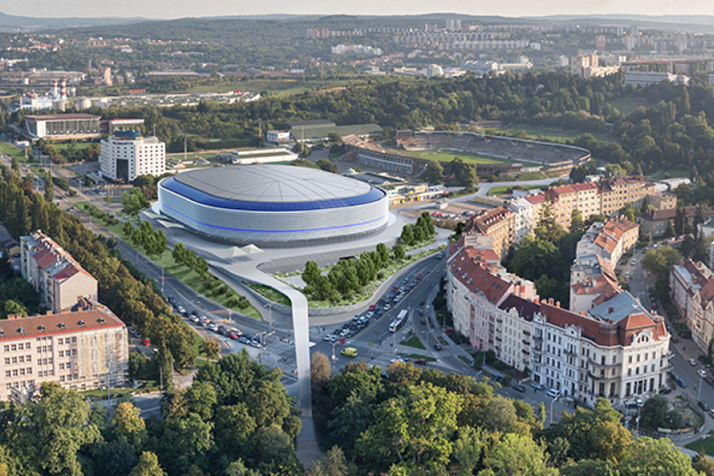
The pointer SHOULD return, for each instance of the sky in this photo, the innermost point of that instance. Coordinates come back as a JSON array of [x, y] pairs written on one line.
[[203, 8]]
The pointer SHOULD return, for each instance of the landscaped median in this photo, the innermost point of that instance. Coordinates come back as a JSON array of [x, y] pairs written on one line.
[[215, 290]]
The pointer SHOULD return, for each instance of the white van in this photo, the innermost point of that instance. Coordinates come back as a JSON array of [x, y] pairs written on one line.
[[552, 393]]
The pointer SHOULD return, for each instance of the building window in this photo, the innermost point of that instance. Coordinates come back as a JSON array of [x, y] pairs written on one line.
[[61, 353], [60, 341], [14, 360]]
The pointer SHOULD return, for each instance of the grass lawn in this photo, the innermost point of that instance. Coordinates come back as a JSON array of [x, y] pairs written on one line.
[[552, 135], [279, 86], [269, 293], [671, 173], [706, 443], [191, 279], [448, 156], [505, 189], [525, 176], [413, 341], [12, 151], [187, 276], [628, 105]]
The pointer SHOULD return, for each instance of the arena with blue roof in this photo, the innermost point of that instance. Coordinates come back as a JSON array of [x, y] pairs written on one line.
[[273, 205]]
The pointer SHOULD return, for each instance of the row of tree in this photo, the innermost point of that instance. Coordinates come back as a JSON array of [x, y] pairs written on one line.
[[136, 303], [420, 232], [152, 241]]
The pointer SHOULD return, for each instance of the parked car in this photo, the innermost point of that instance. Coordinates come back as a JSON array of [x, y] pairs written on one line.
[[704, 405], [519, 388], [420, 361], [341, 340], [437, 347], [702, 373], [349, 352], [692, 362], [552, 393], [537, 386], [665, 391], [146, 342]]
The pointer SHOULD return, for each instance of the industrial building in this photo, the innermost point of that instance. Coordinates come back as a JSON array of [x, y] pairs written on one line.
[[126, 155], [62, 126], [273, 205]]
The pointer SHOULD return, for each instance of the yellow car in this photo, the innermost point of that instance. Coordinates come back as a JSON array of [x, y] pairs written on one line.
[[349, 352]]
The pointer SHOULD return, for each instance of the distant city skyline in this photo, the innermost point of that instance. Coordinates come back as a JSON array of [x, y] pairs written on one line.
[[165, 9]]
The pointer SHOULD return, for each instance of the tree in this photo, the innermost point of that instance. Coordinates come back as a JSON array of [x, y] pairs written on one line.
[[234, 429], [576, 221], [703, 464], [541, 412], [658, 260], [148, 465], [434, 172], [407, 236], [49, 187], [463, 174], [210, 348], [137, 364], [468, 448], [13, 308], [311, 273], [327, 165], [646, 456], [129, 424], [399, 253], [320, 372], [333, 463], [417, 427], [237, 468], [629, 212], [516, 454], [202, 399]]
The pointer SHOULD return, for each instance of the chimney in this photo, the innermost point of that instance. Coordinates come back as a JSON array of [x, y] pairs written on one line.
[[610, 310], [11, 317], [63, 90], [557, 303], [48, 312]]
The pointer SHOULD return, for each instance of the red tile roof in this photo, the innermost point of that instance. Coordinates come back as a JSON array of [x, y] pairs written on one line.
[[477, 279]]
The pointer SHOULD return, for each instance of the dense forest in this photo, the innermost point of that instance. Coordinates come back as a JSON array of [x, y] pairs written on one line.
[[235, 420], [410, 422]]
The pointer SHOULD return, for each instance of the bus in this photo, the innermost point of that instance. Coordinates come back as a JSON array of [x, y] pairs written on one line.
[[398, 321]]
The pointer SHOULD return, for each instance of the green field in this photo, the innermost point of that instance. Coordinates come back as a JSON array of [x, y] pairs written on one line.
[[628, 105], [12, 151], [706, 443], [671, 173], [549, 134], [78, 145], [279, 86], [448, 156], [413, 341]]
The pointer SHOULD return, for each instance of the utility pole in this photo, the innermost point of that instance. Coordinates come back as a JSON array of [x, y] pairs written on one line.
[[185, 151], [551, 411], [162, 281]]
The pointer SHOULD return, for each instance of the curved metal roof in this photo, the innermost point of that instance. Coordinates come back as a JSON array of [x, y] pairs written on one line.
[[271, 188]]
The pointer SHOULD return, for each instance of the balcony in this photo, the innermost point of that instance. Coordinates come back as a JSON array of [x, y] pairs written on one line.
[[499, 319], [601, 365], [538, 350], [570, 353], [538, 337], [498, 338], [526, 351], [526, 342], [602, 378]]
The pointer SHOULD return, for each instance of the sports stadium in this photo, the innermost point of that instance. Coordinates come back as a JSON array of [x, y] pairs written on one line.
[[273, 205]]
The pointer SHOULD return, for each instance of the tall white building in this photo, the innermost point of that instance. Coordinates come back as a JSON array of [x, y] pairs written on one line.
[[126, 155]]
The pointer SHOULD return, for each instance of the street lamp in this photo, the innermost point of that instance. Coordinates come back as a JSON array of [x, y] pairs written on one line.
[[333, 350], [551, 409], [270, 314], [699, 390]]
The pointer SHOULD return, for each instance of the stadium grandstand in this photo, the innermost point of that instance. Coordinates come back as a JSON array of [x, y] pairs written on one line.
[[550, 155]]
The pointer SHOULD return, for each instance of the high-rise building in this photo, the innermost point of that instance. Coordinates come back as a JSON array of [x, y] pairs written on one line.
[[126, 155]]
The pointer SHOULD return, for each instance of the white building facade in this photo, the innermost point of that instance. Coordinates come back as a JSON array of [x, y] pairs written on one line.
[[127, 155]]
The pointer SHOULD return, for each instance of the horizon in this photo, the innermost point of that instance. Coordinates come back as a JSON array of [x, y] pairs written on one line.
[[216, 8]]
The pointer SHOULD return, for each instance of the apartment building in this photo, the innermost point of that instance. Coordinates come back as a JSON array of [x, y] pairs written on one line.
[[527, 213], [514, 332], [499, 224], [615, 351], [475, 289], [81, 349], [609, 240], [662, 200], [655, 223], [591, 279], [56, 276], [618, 192], [566, 198], [692, 289]]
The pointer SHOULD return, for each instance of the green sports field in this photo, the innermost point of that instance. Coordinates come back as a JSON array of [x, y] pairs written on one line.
[[449, 155]]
